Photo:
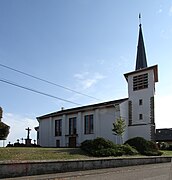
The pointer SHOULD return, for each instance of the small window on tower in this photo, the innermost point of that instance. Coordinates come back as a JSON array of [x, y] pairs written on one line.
[[140, 116], [140, 102]]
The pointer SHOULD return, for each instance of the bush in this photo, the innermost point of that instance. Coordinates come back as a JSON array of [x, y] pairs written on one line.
[[100, 147], [163, 145], [153, 153], [139, 143], [101, 143], [4, 130], [128, 150], [107, 152], [144, 147], [169, 148], [87, 145]]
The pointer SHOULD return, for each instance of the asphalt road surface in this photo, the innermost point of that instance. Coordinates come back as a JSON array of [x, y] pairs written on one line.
[[161, 171]]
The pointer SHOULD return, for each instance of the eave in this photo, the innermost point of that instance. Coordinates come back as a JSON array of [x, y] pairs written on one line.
[[83, 108], [154, 68]]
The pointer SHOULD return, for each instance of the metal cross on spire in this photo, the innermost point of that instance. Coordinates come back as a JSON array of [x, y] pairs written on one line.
[[140, 23]]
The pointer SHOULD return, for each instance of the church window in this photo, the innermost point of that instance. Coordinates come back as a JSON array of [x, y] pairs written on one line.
[[72, 125], [140, 102], [140, 82], [140, 116], [88, 122], [58, 127]]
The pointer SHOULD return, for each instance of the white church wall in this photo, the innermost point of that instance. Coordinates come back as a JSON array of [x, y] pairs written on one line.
[[139, 131], [103, 124], [107, 117], [124, 115], [44, 132]]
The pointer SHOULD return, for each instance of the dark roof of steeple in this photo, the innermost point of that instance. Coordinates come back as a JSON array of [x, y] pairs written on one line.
[[141, 61]]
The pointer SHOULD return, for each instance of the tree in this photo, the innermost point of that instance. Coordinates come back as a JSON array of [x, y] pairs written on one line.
[[119, 127], [4, 131]]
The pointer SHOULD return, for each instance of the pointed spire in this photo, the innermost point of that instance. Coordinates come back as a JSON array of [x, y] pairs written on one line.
[[141, 61]]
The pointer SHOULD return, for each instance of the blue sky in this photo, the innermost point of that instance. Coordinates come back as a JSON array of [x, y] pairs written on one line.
[[85, 45]]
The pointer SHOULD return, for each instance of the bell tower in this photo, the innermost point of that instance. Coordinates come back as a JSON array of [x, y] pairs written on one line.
[[141, 91]]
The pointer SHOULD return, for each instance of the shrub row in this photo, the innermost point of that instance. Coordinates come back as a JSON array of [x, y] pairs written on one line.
[[100, 147]]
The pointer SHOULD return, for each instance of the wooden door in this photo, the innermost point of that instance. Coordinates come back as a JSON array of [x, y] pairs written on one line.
[[72, 142]]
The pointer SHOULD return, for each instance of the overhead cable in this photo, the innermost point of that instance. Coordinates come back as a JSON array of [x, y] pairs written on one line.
[[38, 92], [49, 82]]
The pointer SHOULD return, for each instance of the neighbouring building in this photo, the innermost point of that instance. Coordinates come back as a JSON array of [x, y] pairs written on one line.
[[164, 135], [70, 127]]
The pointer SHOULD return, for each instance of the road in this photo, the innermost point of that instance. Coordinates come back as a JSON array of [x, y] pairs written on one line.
[[161, 171]]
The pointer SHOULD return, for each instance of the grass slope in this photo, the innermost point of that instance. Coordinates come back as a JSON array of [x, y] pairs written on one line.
[[41, 154], [18, 154]]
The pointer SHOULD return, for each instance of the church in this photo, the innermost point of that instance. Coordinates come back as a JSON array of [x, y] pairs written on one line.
[[70, 127]]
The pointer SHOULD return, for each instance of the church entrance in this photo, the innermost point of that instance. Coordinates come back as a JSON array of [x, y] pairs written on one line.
[[72, 142]]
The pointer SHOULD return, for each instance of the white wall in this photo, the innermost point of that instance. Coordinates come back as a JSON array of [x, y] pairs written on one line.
[[124, 115], [45, 132], [103, 124], [139, 131], [145, 95], [137, 128]]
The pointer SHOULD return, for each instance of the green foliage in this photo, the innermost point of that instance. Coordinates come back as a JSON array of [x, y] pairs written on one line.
[[119, 126], [107, 152], [163, 145], [144, 147], [170, 147], [87, 145], [128, 150], [4, 131], [153, 153], [100, 147]]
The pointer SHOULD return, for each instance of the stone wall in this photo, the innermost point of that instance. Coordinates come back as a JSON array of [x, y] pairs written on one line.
[[27, 168]]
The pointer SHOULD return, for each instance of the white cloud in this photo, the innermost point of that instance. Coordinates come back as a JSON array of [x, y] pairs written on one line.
[[163, 111], [81, 75], [170, 11], [159, 11], [101, 61], [18, 124], [87, 80]]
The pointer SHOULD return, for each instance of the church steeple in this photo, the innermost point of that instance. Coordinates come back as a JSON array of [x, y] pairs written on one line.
[[141, 61]]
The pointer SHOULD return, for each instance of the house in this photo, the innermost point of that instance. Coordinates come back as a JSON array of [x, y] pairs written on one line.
[[164, 135], [70, 127]]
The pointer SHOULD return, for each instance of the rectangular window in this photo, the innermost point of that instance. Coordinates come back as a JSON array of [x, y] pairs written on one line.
[[72, 125], [58, 127], [88, 122], [140, 116], [140, 102], [140, 82]]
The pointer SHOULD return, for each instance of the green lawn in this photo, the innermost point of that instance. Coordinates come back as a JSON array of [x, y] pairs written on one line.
[[41, 154], [49, 154], [167, 153]]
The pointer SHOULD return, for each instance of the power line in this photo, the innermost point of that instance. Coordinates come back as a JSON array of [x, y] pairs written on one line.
[[36, 91], [49, 82]]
